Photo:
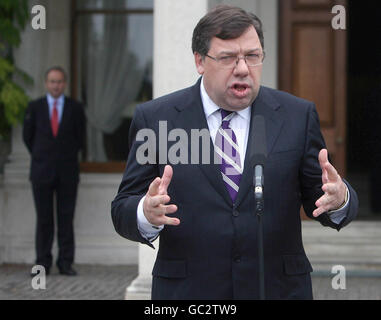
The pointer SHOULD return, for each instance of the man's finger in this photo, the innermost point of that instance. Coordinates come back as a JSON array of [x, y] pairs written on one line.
[[153, 189], [332, 173], [317, 212], [321, 205], [330, 188], [322, 201], [171, 208], [323, 160], [158, 200], [165, 179], [329, 171], [163, 209], [324, 176], [171, 221], [323, 157]]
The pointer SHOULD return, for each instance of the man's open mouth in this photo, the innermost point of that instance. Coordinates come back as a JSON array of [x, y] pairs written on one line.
[[240, 90]]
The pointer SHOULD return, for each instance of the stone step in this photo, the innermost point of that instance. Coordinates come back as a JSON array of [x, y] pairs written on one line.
[[357, 247]]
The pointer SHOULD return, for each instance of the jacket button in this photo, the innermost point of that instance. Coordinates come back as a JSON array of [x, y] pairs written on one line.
[[235, 213], [237, 259]]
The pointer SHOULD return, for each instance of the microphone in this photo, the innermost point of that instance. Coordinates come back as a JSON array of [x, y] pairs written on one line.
[[258, 180], [259, 150], [259, 158]]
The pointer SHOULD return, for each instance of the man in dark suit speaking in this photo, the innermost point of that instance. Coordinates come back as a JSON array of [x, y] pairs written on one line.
[[204, 212], [53, 133]]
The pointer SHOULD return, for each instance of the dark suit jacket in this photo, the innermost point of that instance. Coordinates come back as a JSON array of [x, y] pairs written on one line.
[[213, 253], [54, 157]]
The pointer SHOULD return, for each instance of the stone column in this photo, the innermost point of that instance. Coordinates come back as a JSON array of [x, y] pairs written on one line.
[[174, 69]]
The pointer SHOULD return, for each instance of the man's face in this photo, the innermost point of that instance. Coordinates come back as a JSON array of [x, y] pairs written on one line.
[[236, 88], [55, 83]]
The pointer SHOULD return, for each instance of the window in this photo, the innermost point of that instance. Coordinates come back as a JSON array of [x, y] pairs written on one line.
[[112, 73]]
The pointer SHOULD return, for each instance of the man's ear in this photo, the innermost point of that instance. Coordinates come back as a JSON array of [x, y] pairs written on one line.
[[199, 63]]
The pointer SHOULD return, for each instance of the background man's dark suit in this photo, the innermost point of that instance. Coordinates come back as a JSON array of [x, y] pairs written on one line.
[[54, 169], [213, 254]]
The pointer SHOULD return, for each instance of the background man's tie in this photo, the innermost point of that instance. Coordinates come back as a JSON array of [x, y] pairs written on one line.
[[227, 149], [54, 119]]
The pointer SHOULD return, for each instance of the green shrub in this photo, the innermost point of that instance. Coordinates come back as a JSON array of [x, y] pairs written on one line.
[[14, 15]]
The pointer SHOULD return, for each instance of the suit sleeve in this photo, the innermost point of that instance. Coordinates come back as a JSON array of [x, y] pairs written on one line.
[[136, 180], [29, 127], [311, 175]]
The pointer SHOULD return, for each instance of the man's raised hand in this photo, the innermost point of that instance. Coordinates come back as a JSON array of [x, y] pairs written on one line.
[[155, 206], [333, 186]]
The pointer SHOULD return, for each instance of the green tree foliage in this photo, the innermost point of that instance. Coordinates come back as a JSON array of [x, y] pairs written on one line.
[[14, 15]]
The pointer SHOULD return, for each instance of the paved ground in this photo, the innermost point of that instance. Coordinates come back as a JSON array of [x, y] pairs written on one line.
[[357, 288], [110, 282], [92, 283]]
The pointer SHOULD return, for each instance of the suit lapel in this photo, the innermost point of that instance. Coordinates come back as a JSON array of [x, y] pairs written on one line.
[[191, 116], [267, 107], [46, 115]]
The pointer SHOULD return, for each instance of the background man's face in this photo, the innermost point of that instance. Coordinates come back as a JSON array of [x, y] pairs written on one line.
[[55, 83], [236, 88]]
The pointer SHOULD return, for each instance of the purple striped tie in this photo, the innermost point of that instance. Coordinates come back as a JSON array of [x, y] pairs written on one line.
[[228, 153]]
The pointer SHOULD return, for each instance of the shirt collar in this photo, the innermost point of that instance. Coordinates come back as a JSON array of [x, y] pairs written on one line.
[[60, 99], [210, 107]]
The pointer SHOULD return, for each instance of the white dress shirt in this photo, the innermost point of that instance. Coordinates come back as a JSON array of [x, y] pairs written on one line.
[[240, 124], [60, 105]]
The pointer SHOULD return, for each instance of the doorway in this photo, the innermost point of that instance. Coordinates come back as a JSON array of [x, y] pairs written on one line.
[[364, 81]]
